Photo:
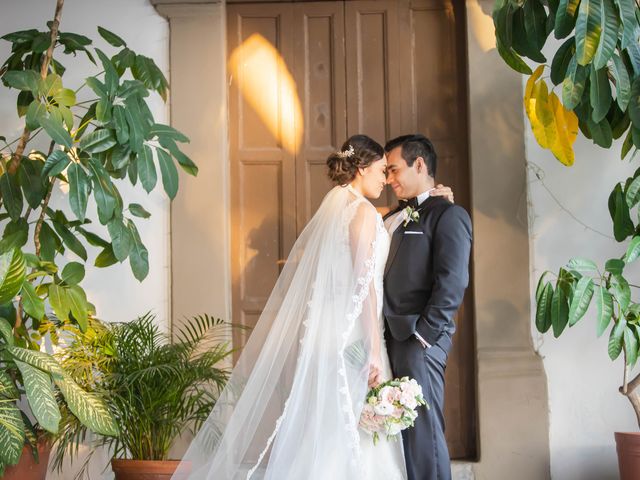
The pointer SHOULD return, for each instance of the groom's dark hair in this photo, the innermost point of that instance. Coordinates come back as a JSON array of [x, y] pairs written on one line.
[[414, 146]]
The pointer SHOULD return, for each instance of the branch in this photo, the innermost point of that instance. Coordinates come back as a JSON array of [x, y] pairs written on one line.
[[44, 69]]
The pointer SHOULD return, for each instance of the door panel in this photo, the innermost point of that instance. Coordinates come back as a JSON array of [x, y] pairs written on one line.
[[262, 171]]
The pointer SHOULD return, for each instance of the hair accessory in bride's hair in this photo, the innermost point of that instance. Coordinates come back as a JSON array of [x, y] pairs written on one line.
[[349, 152]]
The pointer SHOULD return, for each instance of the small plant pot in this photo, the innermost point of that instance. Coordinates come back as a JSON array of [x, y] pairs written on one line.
[[628, 447], [145, 469], [27, 468]]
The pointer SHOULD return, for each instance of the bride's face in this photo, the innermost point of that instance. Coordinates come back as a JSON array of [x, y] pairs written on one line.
[[374, 178]]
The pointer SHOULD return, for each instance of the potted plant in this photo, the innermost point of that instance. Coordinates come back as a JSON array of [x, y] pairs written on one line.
[[155, 389], [599, 56], [96, 134]]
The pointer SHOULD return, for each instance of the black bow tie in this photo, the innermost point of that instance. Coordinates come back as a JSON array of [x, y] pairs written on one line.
[[412, 202]]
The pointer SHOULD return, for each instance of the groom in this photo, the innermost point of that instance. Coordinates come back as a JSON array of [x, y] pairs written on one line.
[[426, 274]]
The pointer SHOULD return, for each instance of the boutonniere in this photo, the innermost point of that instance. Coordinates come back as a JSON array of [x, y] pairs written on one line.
[[410, 215]]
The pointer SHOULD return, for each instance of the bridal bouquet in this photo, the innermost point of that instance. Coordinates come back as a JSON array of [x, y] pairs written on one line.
[[391, 407]]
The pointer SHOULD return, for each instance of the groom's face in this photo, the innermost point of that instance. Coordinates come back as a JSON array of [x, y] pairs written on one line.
[[404, 180]]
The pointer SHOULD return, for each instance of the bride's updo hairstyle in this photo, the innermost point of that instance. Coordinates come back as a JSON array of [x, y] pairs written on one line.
[[359, 151]]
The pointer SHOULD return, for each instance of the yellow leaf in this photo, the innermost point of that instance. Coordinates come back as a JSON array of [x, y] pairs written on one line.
[[567, 131], [529, 88]]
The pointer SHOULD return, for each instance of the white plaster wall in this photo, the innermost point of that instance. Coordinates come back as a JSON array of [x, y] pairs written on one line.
[[584, 404], [118, 296]]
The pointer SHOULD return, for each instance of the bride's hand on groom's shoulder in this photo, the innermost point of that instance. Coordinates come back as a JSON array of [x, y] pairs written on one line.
[[442, 191]]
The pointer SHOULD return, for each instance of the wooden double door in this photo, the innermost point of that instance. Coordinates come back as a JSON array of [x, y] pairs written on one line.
[[378, 67]]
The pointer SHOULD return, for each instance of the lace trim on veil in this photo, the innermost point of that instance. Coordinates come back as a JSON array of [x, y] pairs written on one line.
[[364, 282]]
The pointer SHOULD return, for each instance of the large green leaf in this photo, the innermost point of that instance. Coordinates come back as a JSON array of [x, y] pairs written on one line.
[[72, 273], [79, 308], [616, 338], [599, 94], [139, 256], [11, 433], [120, 238], [148, 73], [573, 84], [621, 291], [614, 265], [59, 300], [559, 311], [619, 211], [543, 309], [535, 19], [24, 80], [601, 132], [609, 35], [32, 303], [103, 191], [521, 42], [89, 409], [185, 162], [40, 396], [512, 59], [630, 346], [623, 83], [54, 127], [70, 240], [633, 250], [56, 163], [35, 112], [11, 195], [30, 179], [581, 300], [50, 242], [165, 131], [565, 17], [79, 188], [582, 265], [98, 141], [106, 258], [147, 169], [561, 60], [12, 274], [111, 76], [138, 210], [120, 124], [169, 173], [135, 122], [111, 37], [588, 30], [627, 10], [604, 305], [6, 331], [634, 102], [37, 359]]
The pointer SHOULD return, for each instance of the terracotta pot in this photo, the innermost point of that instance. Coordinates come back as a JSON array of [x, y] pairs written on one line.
[[628, 447], [27, 468], [145, 469]]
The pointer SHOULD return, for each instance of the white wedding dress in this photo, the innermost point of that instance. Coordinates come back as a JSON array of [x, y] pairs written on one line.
[[384, 461], [291, 407]]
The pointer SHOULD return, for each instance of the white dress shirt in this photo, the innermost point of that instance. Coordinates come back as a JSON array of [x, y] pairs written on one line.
[[391, 224]]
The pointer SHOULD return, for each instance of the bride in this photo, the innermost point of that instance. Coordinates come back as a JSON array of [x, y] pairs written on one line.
[[291, 407]]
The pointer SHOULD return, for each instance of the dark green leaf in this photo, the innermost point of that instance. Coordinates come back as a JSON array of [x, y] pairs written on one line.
[[561, 60], [56, 163], [573, 84], [138, 210], [11, 195], [185, 162], [30, 178], [79, 188], [70, 240], [623, 83], [103, 191], [559, 311], [106, 258], [630, 346], [139, 257], [31, 302], [110, 74], [169, 173], [633, 250], [24, 80], [588, 30], [621, 291], [601, 132], [120, 238], [615, 339], [600, 93], [78, 305], [614, 265], [566, 17], [35, 112], [619, 210], [111, 37], [535, 19], [50, 242], [627, 10], [55, 129], [97, 86], [581, 300], [634, 102], [59, 300], [92, 238], [98, 141], [120, 124], [147, 169], [543, 309], [72, 273]]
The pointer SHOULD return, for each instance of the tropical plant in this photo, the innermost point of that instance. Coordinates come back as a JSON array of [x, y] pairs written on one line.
[[156, 390], [92, 144], [599, 60]]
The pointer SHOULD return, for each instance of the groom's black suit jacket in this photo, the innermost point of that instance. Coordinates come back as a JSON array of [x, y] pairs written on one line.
[[427, 272]]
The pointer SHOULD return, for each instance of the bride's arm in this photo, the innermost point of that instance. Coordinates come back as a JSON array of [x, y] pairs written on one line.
[[362, 237]]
